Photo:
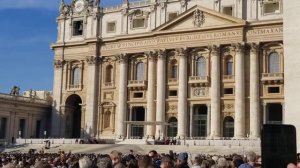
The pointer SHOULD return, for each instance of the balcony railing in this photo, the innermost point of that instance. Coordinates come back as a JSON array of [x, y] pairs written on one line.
[[108, 84], [228, 78], [272, 77], [198, 80], [74, 87], [172, 81], [137, 84], [23, 99]]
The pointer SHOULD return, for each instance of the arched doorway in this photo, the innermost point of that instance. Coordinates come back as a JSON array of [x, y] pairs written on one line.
[[200, 121], [172, 128], [73, 116], [228, 127], [274, 115], [138, 114]]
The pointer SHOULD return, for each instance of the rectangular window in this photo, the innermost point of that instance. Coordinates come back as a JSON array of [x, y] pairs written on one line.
[[3, 124], [228, 91], [138, 95], [227, 10], [272, 7], [111, 27], [22, 124], [78, 28], [172, 16], [138, 23], [273, 89], [173, 93]]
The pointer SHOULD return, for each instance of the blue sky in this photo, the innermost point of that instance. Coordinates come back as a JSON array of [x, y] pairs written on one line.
[[27, 29]]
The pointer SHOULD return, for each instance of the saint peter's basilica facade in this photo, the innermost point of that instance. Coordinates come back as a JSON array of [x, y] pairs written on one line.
[[168, 68]]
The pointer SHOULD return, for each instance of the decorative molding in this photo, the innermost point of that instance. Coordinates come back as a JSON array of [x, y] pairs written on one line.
[[161, 54], [181, 51], [200, 92], [214, 50], [199, 18], [151, 55], [92, 60], [238, 47], [122, 58], [254, 47], [58, 64]]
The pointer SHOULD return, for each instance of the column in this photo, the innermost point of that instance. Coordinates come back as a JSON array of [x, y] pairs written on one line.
[[91, 99], [121, 128], [239, 119], [182, 93], [160, 92], [129, 125], [57, 92], [215, 92], [265, 109], [191, 120], [254, 92], [208, 120], [151, 94]]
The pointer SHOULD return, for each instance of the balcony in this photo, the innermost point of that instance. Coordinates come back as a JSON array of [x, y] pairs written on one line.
[[199, 80], [228, 78], [272, 78], [172, 81], [137, 85], [75, 87]]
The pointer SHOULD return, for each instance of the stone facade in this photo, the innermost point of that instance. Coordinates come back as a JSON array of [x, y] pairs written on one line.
[[23, 117], [197, 68]]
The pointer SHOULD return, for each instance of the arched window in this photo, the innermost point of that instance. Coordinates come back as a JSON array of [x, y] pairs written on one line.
[[174, 69], [172, 128], [201, 66], [229, 66], [140, 71], [107, 119], [228, 127], [109, 74], [76, 74], [274, 63]]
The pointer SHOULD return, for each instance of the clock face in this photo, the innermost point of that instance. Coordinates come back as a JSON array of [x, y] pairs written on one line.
[[79, 6]]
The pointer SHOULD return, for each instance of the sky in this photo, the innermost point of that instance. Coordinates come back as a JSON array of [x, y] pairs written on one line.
[[27, 29]]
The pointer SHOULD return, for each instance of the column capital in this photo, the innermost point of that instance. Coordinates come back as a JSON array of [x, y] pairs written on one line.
[[122, 58], [161, 53], [151, 55], [238, 47], [92, 60], [59, 63], [181, 51], [254, 47], [214, 49]]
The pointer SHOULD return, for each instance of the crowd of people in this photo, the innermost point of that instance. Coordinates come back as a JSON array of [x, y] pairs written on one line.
[[116, 159]]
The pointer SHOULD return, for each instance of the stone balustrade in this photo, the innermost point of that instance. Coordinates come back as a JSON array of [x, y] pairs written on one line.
[[23, 99]]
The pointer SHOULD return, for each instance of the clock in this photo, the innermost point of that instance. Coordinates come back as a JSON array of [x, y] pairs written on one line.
[[79, 6]]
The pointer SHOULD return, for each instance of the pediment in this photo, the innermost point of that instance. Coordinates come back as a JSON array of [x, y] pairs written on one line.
[[199, 17]]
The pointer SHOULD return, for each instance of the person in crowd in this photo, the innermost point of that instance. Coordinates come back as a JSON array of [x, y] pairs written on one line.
[[181, 161], [167, 162], [251, 158], [196, 161], [145, 162], [116, 159], [155, 158], [222, 163]]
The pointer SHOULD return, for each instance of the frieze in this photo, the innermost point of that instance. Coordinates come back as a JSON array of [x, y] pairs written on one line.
[[265, 31], [158, 41]]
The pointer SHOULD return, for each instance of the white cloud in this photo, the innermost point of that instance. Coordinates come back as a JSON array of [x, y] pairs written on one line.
[[20, 4]]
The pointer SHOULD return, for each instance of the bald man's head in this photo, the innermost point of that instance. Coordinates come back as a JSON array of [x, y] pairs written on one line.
[[291, 165]]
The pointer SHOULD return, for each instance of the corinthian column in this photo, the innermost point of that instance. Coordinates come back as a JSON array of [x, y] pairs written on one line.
[[121, 128], [239, 119], [254, 92], [57, 93], [161, 91], [215, 91], [151, 93], [182, 93], [91, 96]]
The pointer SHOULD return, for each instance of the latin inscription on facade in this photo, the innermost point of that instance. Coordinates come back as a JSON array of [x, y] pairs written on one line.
[[158, 41]]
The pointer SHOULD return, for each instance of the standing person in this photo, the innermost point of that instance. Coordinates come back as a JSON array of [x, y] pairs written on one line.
[[196, 161], [155, 158], [116, 158], [181, 161], [251, 158], [167, 162]]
